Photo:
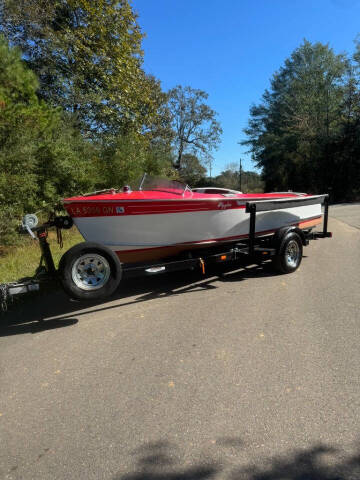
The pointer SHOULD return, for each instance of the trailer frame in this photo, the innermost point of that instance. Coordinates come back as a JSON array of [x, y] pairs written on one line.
[[256, 248]]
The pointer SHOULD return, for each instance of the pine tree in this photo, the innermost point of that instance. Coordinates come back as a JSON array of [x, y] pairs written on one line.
[[291, 131], [41, 156]]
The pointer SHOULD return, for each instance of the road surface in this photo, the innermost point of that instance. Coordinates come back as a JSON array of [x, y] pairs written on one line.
[[236, 375], [348, 213]]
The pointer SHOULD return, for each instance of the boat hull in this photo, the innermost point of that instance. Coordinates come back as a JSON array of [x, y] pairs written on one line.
[[143, 235]]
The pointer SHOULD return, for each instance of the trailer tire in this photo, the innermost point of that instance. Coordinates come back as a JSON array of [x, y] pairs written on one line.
[[289, 253], [90, 271]]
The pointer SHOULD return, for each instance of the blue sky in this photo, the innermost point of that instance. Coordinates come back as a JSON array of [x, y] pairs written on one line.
[[231, 48]]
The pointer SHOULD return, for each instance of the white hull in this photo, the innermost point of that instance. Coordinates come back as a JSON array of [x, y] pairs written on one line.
[[154, 231]]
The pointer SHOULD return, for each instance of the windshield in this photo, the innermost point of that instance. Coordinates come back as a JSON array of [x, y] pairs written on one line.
[[162, 185]]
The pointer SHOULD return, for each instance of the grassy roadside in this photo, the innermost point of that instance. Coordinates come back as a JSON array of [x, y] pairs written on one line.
[[22, 261]]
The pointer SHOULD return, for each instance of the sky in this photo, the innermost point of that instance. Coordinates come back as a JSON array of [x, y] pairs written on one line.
[[231, 49]]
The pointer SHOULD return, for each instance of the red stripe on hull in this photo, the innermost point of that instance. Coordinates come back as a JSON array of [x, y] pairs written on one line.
[[106, 209]]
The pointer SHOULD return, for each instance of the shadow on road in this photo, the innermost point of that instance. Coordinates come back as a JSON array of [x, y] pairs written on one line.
[[35, 313], [160, 461]]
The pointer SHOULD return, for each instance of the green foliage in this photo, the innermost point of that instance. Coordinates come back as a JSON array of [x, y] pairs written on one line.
[[191, 171], [125, 158], [193, 121], [250, 181], [41, 155], [299, 132], [88, 58]]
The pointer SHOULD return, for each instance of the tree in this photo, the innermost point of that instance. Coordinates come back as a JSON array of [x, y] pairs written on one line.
[[191, 171], [290, 131], [88, 58], [194, 122], [41, 156], [127, 157], [229, 178], [347, 146]]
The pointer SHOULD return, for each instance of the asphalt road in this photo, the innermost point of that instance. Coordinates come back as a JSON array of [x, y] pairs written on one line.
[[348, 213], [235, 375]]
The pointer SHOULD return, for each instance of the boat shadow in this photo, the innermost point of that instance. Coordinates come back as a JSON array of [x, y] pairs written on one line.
[[52, 309]]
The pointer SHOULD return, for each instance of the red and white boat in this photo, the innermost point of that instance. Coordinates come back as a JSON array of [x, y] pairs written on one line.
[[164, 218]]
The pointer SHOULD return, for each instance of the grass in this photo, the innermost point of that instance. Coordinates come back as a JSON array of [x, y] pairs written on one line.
[[21, 261]]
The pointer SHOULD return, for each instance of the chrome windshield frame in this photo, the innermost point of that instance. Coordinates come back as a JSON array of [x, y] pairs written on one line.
[[142, 181]]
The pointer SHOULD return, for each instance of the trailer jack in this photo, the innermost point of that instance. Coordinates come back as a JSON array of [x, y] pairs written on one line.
[[43, 273]]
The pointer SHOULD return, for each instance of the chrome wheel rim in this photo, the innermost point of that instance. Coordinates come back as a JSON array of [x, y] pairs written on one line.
[[90, 272], [292, 253]]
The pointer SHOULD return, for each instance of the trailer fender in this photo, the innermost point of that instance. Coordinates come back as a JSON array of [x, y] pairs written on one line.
[[280, 234]]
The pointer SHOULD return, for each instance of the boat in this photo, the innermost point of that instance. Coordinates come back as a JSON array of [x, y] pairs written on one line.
[[165, 226], [163, 218]]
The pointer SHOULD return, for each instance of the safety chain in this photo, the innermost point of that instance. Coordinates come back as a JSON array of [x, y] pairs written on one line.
[[52, 218], [59, 237], [4, 295]]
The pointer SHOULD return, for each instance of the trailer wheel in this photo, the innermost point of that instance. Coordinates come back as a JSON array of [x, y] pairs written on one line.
[[90, 271], [289, 254]]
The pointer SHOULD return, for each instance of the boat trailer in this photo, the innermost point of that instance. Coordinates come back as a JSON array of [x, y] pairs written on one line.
[[284, 247]]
